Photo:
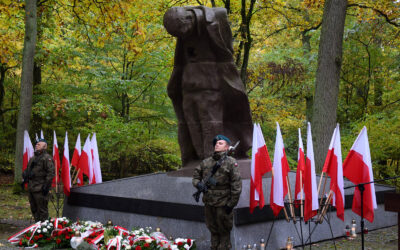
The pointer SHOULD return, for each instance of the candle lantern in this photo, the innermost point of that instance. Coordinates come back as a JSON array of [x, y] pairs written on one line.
[[353, 228], [365, 230], [254, 246], [158, 229], [347, 231], [109, 224], [262, 244], [289, 243], [249, 247], [244, 247]]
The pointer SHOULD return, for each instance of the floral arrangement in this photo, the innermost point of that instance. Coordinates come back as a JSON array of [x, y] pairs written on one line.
[[61, 233]]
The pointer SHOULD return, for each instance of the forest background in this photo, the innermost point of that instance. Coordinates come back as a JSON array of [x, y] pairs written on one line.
[[103, 66]]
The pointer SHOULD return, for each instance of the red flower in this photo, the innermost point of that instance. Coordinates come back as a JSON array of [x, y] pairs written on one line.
[[59, 226], [40, 235], [48, 239], [58, 241], [138, 248], [36, 237], [69, 230], [67, 237], [189, 241], [20, 242], [31, 241], [180, 244], [125, 234], [146, 245]]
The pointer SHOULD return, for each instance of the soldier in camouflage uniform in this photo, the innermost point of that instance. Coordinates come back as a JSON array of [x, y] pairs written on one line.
[[39, 175], [221, 198]]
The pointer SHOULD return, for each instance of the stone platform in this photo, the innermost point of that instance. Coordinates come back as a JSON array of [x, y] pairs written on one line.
[[165, 200]]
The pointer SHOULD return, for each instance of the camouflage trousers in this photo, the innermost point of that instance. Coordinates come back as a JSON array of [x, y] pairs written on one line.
[[220, 225], [39, 204]]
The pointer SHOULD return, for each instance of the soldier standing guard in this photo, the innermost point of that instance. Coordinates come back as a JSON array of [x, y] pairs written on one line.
[[39, 175], [221, 197]]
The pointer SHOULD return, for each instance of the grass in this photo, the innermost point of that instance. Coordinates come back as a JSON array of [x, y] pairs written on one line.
[[16, 206]]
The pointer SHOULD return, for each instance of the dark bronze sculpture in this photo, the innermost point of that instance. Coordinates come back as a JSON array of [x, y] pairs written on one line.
[[205, 88]]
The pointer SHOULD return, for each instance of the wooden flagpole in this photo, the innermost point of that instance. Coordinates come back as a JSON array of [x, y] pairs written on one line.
[[290, 199], [301, 195]]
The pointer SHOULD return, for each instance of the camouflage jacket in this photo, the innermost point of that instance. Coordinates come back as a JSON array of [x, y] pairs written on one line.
[[39, 172], [229, 184]]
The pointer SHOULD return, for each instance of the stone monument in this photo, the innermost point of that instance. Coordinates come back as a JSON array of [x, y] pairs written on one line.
[[205, 88]]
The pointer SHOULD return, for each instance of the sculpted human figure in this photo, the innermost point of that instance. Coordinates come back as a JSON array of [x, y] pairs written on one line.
[[205, 88]]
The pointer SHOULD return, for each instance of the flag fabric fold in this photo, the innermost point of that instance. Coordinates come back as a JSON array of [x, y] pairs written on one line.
[[97, 178], [85, 161], [28, 151], [310, 182], [301, 165], [41, 134], [56, 158], [279, 188], [334, 169], [357, 167], [65, 168], [260, 164], [75, 159]]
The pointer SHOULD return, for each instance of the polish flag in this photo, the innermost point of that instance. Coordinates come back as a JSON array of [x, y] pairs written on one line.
[[333, 167], [357, 167], [279, 187], [85, 161], [75, 159], [95, 161], [28, 151], [310, 181], [56, 158], [65, 168], [260, 164], [301, 165]]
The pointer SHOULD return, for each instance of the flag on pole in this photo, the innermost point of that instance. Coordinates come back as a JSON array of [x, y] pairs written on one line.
[[357, 167], [96, 161], [85, 161], [279, 187], [65, 168], [333, 167], [41, 134], [56, 158], [77, 152], [28, 151], [301, 165], [75, 159], [310, 181], [260, 164]]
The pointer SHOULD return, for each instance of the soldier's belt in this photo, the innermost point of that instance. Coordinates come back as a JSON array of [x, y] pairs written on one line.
[[223, 187]]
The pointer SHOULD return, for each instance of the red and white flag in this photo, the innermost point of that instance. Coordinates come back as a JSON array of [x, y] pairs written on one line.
[[279, 187], [41, 134], [301, 166], [65, 168], [95, 161], [310, 181], [28, 151], [77, 152], [56, 158], [357, 167], [333, 167], [85, 161], [260, 164]]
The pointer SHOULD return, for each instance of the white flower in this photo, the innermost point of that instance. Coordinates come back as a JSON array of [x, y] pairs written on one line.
[[44, 230], [128, 247], [51, 225], [149, 240], [186, 246], [48, 227], [46, 221], [39, 231], [174, 247], [177, 240]]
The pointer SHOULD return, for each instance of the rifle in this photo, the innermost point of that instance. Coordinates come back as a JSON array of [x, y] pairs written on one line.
[[209, 180]]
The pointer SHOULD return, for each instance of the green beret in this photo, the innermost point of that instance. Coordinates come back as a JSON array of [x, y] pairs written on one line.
[[221, 137]]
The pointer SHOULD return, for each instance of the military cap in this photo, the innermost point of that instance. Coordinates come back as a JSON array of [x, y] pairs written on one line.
[[221, 137]]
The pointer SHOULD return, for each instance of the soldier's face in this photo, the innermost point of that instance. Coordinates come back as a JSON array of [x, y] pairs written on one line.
[[40, 145], [221, 146]]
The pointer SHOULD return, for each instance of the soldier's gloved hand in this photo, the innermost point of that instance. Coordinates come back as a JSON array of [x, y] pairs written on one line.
[[228, 209], [45, 189], [201, 186]]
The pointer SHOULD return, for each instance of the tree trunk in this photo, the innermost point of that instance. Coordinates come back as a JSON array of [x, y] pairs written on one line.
[[25, 110], [328, 77]]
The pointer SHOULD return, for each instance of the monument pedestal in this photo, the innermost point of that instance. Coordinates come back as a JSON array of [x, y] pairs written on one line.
[[165, 200]]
